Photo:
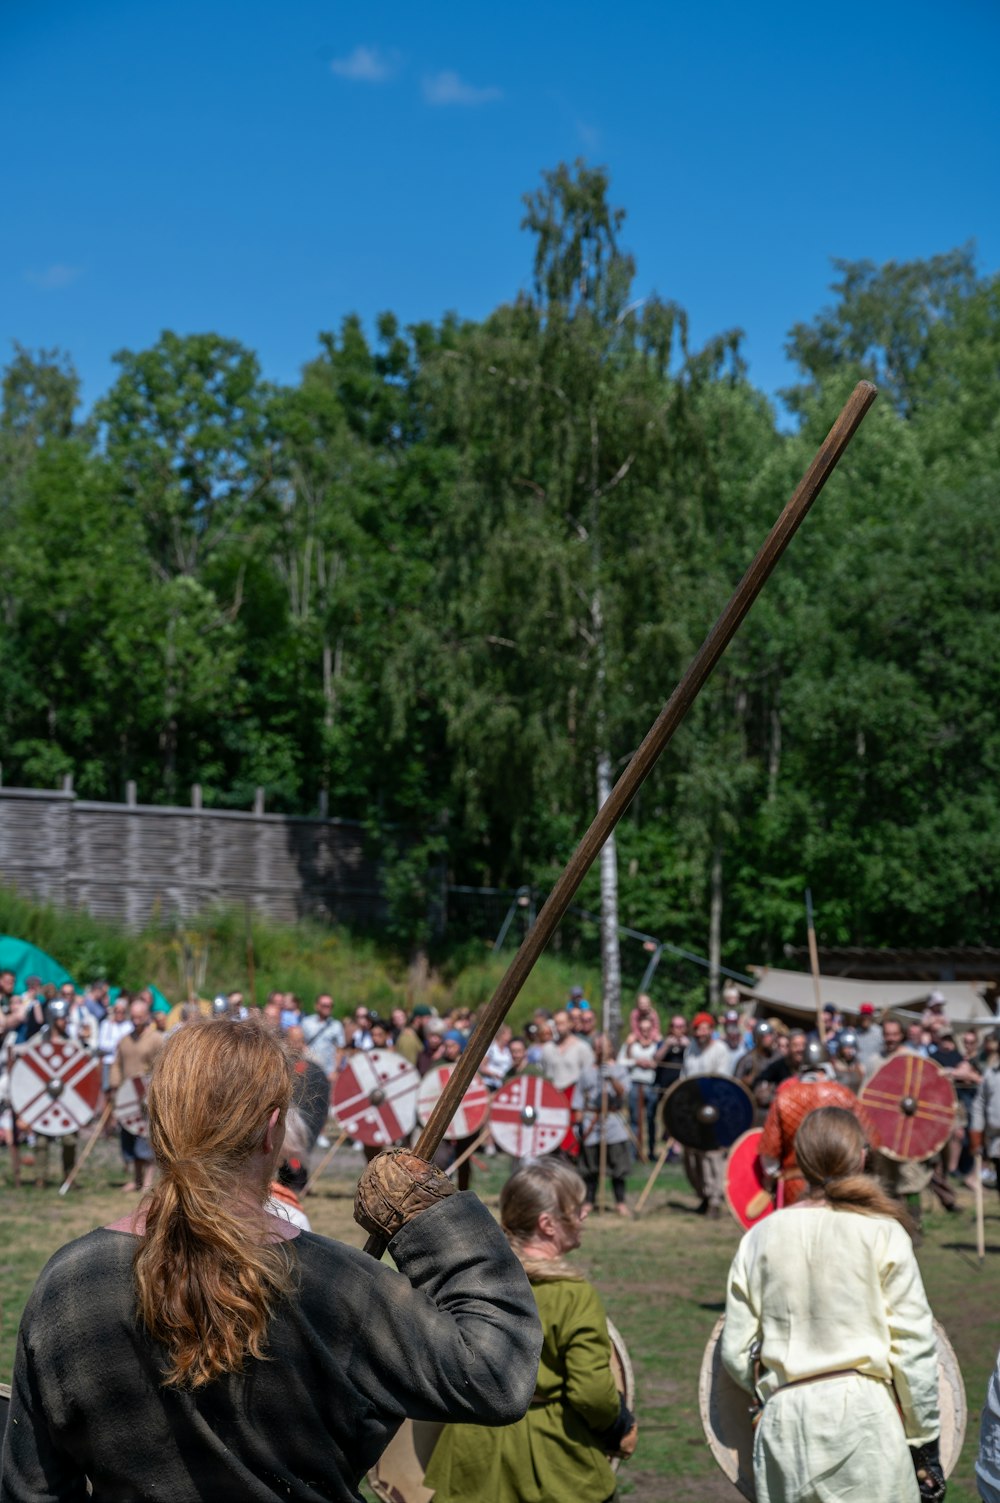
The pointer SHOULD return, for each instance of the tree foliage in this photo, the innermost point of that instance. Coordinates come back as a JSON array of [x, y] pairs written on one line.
[[435, 581]]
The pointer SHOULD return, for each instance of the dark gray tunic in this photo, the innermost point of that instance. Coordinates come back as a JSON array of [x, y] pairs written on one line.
[[454, 1335]]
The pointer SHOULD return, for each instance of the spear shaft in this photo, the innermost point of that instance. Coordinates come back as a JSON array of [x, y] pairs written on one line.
[[638, 769]]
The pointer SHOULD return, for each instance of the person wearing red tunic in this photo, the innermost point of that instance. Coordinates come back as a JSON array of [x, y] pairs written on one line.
[[794, 1101]]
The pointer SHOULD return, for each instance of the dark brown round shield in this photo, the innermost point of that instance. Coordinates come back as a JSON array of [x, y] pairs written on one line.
[[375, 1097], [706, 1111], [54, 1086], [912, 1104], [727, 1411]]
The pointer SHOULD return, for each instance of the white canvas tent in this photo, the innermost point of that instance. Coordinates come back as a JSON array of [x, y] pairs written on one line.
[[792, 992]]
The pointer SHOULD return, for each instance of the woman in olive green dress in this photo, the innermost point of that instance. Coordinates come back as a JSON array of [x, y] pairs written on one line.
[[559, 1452]]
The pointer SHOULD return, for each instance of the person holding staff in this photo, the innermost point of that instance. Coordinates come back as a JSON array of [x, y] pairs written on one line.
[[827, 1323], [202, 1348], [559, 1452]]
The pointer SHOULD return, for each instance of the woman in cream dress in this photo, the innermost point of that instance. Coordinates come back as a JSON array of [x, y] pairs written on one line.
[[828, 1324]]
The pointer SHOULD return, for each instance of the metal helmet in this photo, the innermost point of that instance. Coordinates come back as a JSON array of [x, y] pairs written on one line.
[[220, 1007], [761, 1030], [815, 1057], [57, 1008], [848, 1039]]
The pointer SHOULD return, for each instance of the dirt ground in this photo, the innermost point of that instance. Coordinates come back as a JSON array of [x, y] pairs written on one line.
[[662, 1279]]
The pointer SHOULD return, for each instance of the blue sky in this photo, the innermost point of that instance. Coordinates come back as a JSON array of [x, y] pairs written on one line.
[[262, 169]]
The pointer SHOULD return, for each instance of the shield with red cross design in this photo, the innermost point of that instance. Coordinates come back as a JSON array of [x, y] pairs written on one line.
[[54, 1086], [472, 1108], [375, 1097], [130, 1106], [528, 1117], [912, 1104]]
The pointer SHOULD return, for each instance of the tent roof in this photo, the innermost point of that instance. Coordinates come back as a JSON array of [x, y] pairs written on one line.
[[794, 991], [26, 960]]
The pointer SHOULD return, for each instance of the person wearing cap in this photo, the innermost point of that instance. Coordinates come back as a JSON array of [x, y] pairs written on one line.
[[869, 1034], [812, 1088], [706, 1171]]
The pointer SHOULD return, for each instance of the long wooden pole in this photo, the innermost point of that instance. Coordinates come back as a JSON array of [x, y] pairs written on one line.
[[328, 1155], [467, 1153], [814, 967], [639, 768], [980, 1209], [88, 1147]]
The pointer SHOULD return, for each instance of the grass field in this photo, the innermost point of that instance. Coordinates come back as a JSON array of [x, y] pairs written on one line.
[[662, 1279]]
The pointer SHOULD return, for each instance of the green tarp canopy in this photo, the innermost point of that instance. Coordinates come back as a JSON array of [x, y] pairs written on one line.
[[28, 960]]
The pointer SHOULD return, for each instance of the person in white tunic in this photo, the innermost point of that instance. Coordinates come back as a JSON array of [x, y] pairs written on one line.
[[827, 1323]]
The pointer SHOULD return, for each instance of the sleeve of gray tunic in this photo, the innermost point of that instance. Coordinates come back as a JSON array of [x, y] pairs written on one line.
[[451, 1334]]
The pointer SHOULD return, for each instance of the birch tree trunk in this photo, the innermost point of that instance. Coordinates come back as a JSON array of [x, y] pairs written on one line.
[[715, 927], [611, 965]]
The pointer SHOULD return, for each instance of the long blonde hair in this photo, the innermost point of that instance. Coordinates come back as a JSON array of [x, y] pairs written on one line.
[[828, 1147], [207, 1277], [540, 1187]]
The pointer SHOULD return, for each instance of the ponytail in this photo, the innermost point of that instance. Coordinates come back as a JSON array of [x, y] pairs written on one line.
[[829, 1148], [207, 1276]]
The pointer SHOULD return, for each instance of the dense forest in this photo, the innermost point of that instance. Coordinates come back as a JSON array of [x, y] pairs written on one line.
[[446, 582]]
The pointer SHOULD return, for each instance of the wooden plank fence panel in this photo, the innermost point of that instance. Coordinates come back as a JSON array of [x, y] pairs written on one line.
[[132, 861]]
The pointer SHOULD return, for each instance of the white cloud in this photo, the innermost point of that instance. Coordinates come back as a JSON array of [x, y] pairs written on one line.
[[55, 277], [366, 65], [589, 134], [448, 88]]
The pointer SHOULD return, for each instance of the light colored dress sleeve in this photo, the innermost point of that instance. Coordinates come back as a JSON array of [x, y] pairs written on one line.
[[742, 1325], [913, 1344]]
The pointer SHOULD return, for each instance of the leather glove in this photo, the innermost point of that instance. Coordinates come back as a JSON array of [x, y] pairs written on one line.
[[927, 1465], [394, 1188]]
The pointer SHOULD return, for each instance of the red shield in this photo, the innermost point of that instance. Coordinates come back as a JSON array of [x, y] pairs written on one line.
[[747, 1196], [375, 1097], [54, 1086], [528, 1117], [472, 1108], [912, 1104], [130, 1106]]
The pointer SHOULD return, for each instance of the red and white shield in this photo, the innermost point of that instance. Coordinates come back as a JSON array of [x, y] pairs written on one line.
[[528, 1117], [54, 1086], [130, 1106], [375, 1097], [472, 1108]]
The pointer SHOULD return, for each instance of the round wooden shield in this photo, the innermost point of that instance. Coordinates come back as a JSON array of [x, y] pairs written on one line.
[[54, 1086], [398, 1475], [311, 1095], [375, 1097], [528, 1117], [727, 1415], [472, 1108], [747, 1196], [706, 1111], [130, 1106], [912, 1104]]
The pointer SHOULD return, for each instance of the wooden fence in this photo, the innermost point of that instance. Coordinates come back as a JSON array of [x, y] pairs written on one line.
[[135, 861]]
